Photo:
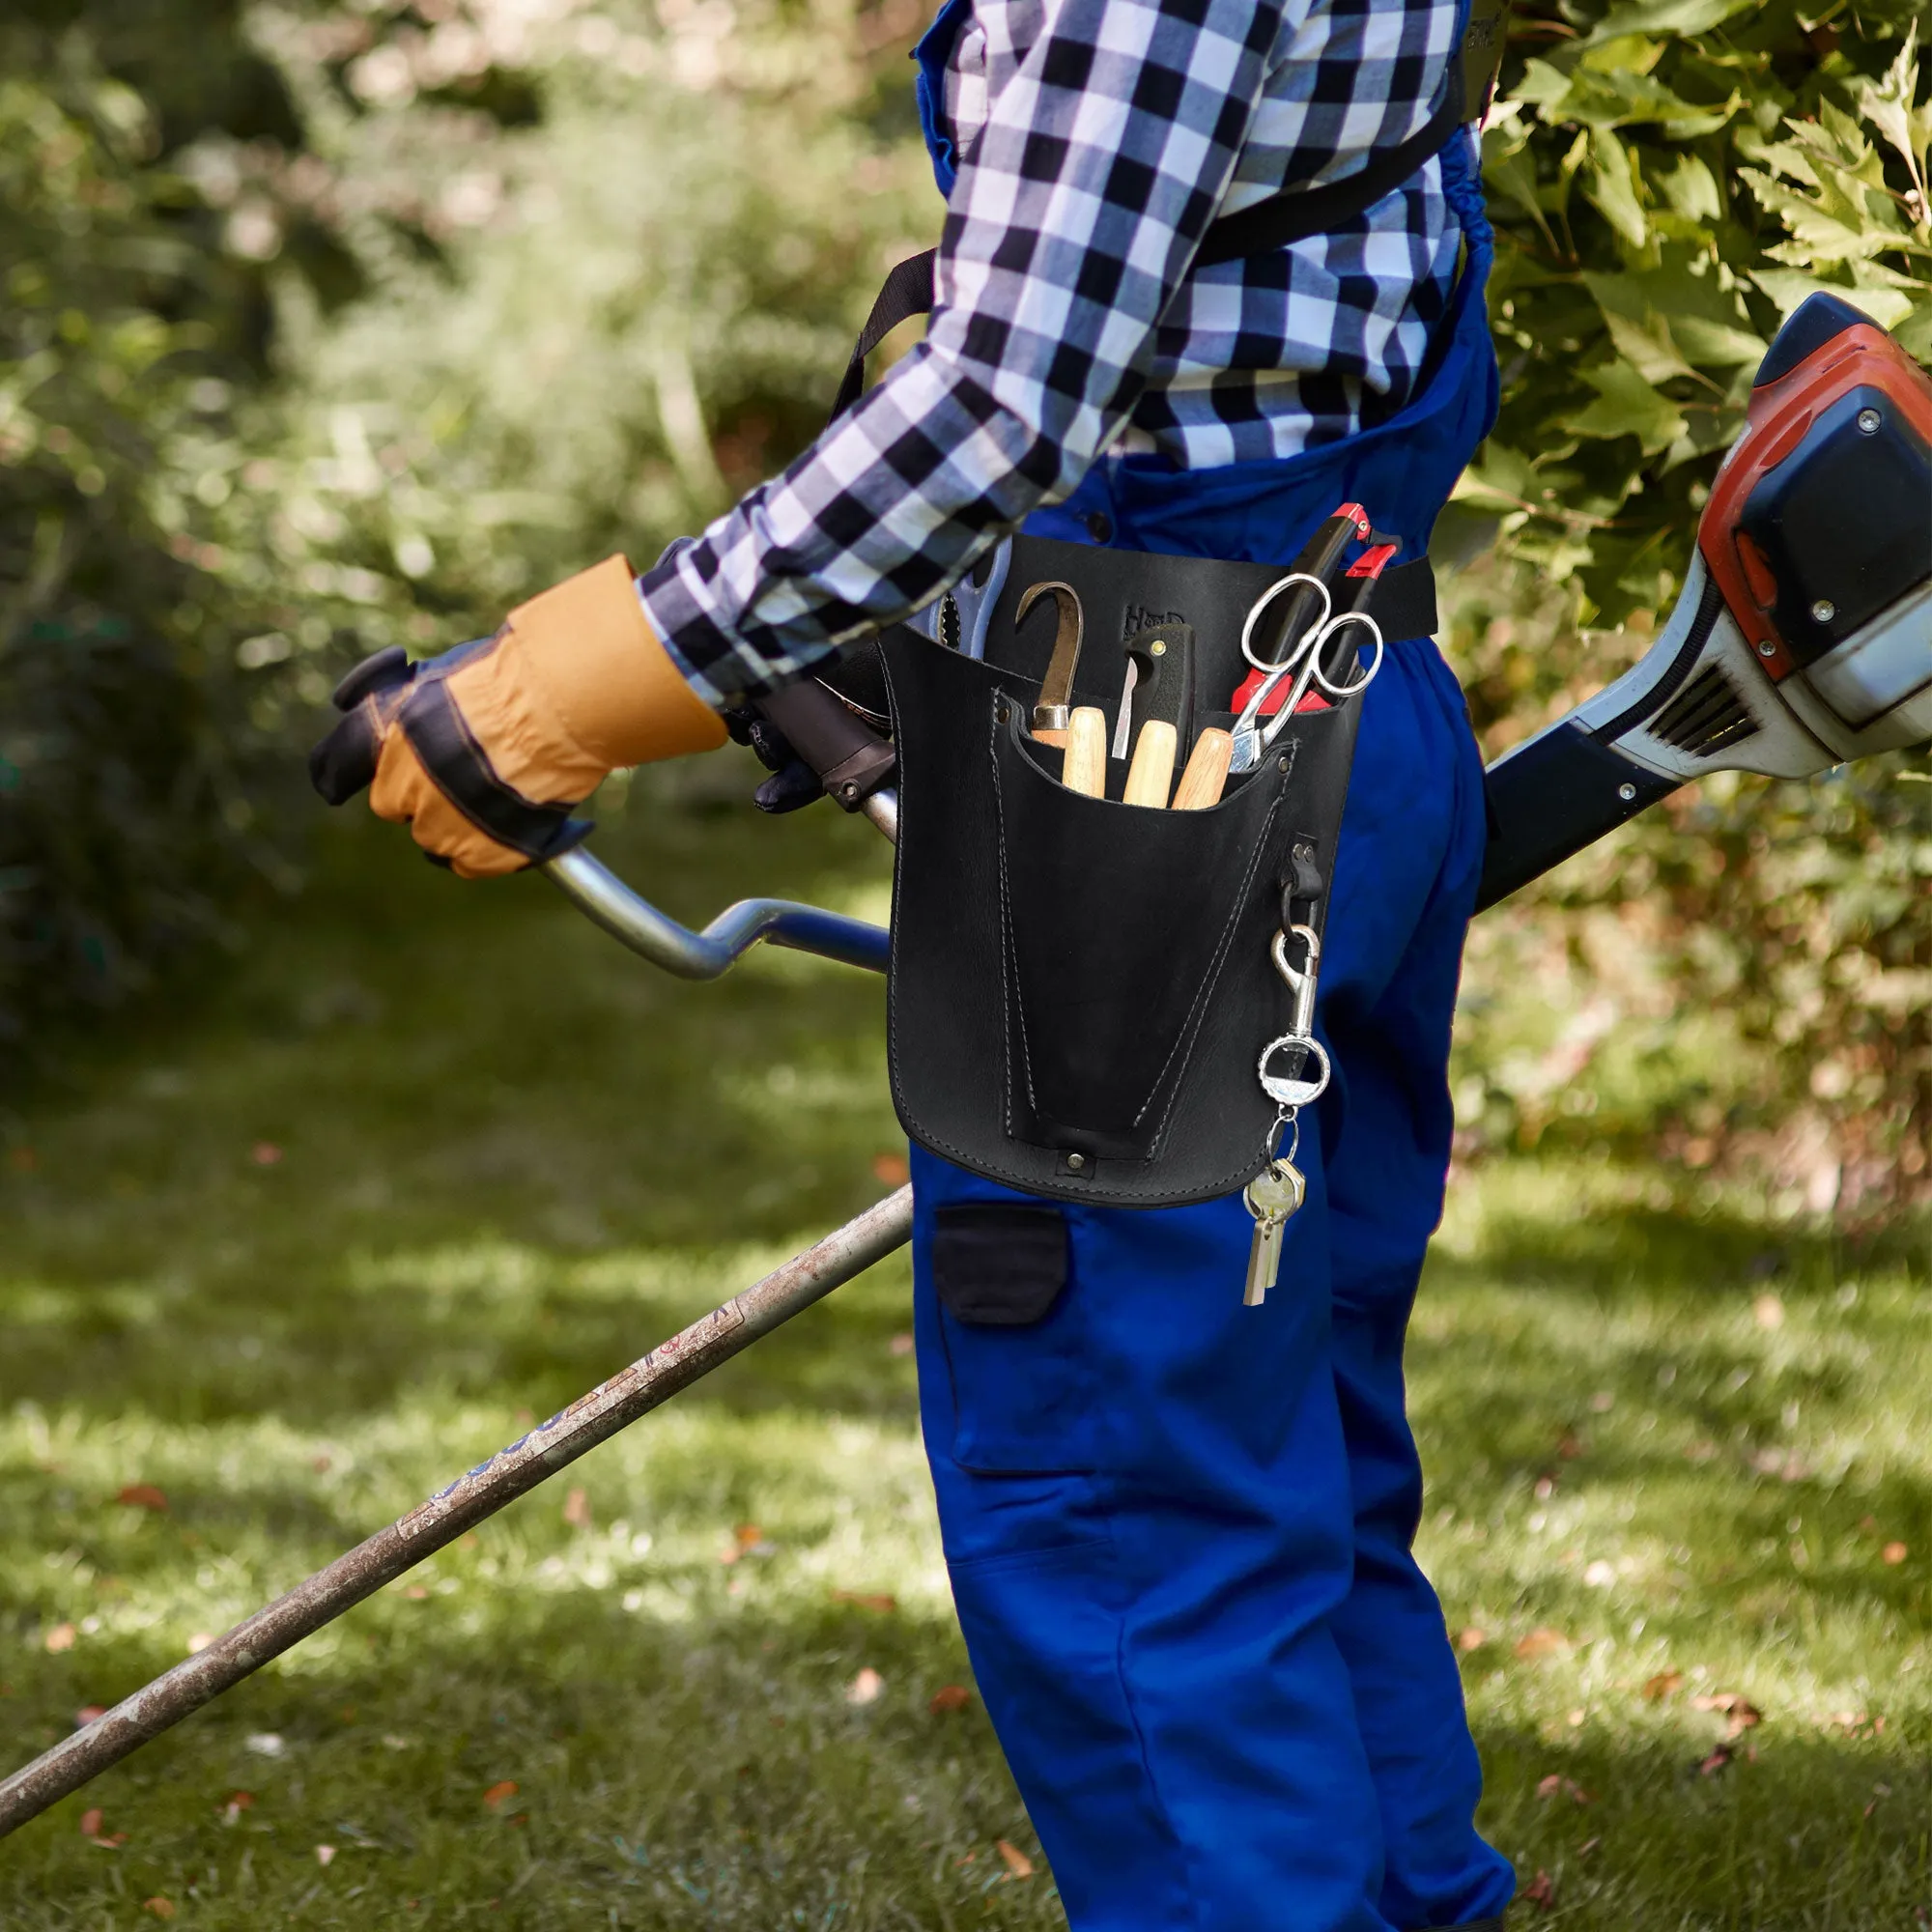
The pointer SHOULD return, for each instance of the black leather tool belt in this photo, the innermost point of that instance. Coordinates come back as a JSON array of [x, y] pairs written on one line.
[[1081, 988]]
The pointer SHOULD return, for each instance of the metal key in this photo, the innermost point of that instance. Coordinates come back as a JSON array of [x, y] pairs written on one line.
[[1272, 1196]]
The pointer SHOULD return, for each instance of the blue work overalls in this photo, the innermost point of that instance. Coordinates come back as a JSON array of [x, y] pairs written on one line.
[[1223, 1685]]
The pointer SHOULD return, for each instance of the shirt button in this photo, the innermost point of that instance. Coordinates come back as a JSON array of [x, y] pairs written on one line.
[[1099, 527]]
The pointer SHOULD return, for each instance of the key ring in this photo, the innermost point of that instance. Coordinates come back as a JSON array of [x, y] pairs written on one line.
[[1261, 603], [1293, 1092]]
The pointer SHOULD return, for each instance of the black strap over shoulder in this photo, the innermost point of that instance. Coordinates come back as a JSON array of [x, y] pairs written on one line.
[[1294, 214]]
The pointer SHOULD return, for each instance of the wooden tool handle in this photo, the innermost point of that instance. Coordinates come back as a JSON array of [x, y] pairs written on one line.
[[1050, 737], [1086, 767], [1207, 771], [1151, 776]]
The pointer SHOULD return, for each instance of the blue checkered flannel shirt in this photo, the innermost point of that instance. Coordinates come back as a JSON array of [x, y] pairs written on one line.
[[1097, 140]]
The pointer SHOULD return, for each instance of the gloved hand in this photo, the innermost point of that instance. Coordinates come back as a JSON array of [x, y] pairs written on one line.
[[483, 751]]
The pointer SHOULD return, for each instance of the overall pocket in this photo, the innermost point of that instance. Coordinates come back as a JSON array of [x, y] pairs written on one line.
[[1025, 1390]]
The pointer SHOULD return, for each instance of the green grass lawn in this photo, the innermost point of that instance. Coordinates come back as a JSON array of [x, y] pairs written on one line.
[[426, 1161]]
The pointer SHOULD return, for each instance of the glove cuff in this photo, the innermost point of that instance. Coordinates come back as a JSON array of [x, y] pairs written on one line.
[[592, 660]]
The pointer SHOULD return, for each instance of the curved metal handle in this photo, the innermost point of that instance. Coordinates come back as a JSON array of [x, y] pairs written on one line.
[[604, 898]]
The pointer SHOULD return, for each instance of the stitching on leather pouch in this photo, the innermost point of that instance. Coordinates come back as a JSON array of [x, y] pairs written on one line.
[[1029, 1182], [1008, 1026], [1212, 977]]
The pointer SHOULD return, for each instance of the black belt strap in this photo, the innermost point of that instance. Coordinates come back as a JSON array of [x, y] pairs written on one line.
[[1291, 215], [1403, 603]]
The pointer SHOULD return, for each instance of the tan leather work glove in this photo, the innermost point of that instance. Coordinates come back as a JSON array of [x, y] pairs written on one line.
[[483, 750]]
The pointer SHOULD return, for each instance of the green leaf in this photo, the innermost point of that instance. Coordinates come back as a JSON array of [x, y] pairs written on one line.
[[1894, 108], [1615, 194], [1668, 16], [1788, 288], [1642, 335], [1914, 331], [1717, 345], [1692, 190], [1627, 405]]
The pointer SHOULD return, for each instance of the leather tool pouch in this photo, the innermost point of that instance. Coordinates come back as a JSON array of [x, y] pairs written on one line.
[[1079, 988]]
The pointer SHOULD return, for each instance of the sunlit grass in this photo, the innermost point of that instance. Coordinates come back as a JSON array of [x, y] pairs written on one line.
[[430, 1162]]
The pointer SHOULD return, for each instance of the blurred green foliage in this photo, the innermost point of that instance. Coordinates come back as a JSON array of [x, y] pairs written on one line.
[[130, 777], [372, 318]]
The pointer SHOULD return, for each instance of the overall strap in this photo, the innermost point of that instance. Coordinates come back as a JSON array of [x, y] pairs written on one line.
[[1294, 215]]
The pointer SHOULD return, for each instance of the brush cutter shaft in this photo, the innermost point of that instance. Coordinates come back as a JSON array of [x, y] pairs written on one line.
[[532, 1458]]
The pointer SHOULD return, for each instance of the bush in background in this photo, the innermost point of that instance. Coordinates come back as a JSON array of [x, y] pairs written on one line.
[[133, 782], [1747, 969]]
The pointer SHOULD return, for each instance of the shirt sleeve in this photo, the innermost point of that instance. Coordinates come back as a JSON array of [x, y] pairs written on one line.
[[1112, 130]]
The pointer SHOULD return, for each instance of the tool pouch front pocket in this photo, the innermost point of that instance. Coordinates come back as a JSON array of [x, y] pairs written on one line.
[[1079, 990], [1116, 924]]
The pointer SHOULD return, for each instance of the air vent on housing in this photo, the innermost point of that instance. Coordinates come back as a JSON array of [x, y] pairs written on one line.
[[1705, 717]]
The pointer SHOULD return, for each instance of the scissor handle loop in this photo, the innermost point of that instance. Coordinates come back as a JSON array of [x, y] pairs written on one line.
[[1261, 603], [1342, 692]]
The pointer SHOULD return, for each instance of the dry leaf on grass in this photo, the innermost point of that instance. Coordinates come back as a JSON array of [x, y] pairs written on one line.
[[1657, 1689], [417, 1593], [891, 1170], [87, 1713], [868, 1600], [1540, 1892], [1715, 1762], [1740, 1712], [1016, 1860], [61, 1637], [949, 1697], [1470, 1639], [900, 1344], [1768, 1312], [1556, 1785], [325, 1854], [866, 1688], [576, 1509], [141, 1495], [199, 1641], [1541, 1643], [497, 1793], [1894, 1553], [161, 1907], [264, 1153], [90, 1829], [746, 1540], [238, 1803]]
